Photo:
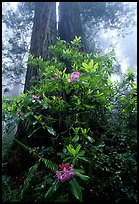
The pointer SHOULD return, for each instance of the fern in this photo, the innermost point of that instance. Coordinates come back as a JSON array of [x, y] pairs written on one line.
[[30, 176], [24, 146], [49, 164], [28, 180]]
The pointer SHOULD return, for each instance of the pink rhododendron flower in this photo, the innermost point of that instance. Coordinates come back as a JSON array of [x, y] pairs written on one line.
[[66, 173], [63, 166], [57, 97], [20, 113], [74, 76], [69, 80], [36, 96], [55, 77]]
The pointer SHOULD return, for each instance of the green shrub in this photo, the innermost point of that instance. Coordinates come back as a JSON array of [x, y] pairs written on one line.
[[75, 114]]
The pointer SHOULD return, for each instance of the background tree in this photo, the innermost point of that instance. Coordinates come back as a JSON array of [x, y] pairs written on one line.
[[69, 24], [114, 19], [16, 34], [97, 16]]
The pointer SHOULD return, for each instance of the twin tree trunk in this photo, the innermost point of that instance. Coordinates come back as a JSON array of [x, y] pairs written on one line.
[[43, 34], [44, 31]]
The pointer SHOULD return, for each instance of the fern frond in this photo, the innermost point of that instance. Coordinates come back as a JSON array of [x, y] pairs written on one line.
[[49, 164], [28, 180], [24, 146]]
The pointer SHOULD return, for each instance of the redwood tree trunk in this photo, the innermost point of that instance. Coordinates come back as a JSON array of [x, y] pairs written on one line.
[[69, 21], [43, 34], [70, 25]]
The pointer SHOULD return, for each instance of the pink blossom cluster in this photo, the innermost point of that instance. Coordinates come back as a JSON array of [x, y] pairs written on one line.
[[55, 77], [36, 96], [20, 114], [74, 76], [66, 173], [57, 97]]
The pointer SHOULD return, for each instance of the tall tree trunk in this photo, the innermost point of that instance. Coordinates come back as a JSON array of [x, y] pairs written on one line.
[[43, 34], [70, 26], [69, 21]]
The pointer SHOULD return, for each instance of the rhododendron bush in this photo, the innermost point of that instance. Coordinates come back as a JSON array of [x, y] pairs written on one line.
[[80, 125]]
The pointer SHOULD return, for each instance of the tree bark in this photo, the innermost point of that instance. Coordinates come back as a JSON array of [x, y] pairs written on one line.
[[43, 34], [70, 22], [70, 26]]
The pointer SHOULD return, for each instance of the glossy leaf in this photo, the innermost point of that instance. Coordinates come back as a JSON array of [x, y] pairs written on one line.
[[51, 131], [76, 189], [52, 189], [76, 138], [78, 148], [71, 149], [83, 177]]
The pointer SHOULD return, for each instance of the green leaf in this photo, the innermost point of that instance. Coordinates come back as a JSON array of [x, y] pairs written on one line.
[[83, 78], [91, 63], [78, 101], [51, 131], [68, 90], [38, 117], [78, 148], [84, 159], [64, 70], [79, 170], [95, 67], [71, 149], [66, 159], [96, 55], [90, 139], [44, 97], [52, 189], [4, 105], [76, 138], [83, 177], [86, 67], [76, 189], [81, 153], [27, 181]]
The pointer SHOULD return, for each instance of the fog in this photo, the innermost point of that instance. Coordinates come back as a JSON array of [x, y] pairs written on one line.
[[125, 48]]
